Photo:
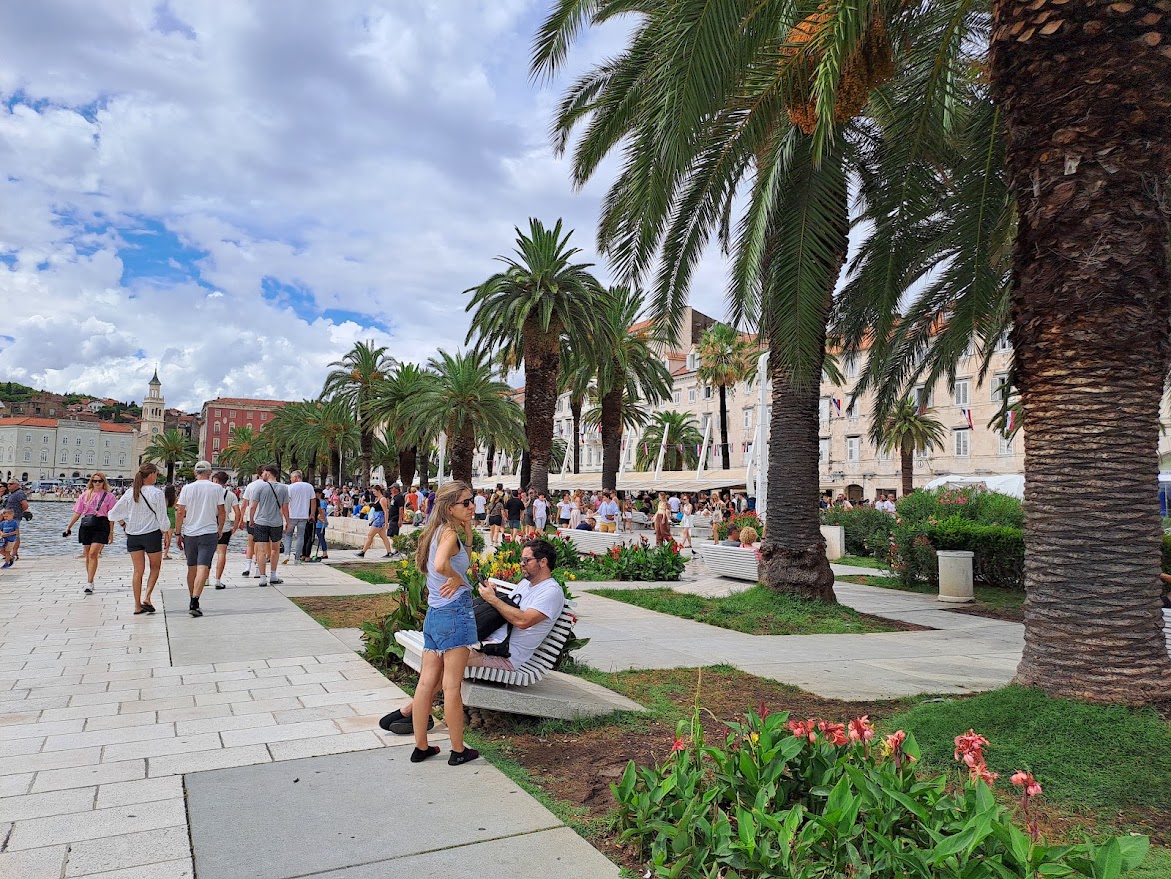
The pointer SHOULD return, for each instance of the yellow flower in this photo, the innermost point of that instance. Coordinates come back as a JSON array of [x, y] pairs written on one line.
[[755, 737]]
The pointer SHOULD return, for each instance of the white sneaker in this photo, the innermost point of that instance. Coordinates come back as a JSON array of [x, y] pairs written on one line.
[[263, 582]]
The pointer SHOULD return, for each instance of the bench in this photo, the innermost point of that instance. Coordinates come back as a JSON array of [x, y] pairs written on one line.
[[538, 665], [597, 541], [730, 561]]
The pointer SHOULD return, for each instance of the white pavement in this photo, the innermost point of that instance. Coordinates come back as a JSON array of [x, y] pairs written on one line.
[[106, 716]]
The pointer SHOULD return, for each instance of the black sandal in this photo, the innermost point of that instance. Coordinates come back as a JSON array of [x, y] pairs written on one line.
[[140, 610], [419, 754], [148, 607]]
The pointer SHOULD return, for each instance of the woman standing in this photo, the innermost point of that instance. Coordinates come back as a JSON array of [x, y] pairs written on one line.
[[171, 494], [575, 509], [143, 512], [449, 628], [685, 522], [662, 522], [96, 531], [379, 511]]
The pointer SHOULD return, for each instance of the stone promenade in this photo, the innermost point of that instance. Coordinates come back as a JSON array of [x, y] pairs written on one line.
[[241, 744]]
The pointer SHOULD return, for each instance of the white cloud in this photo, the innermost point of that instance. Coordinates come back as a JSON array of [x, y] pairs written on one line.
[[377, 154]]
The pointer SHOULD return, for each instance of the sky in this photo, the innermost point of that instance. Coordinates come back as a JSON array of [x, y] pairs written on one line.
[[237, 191]]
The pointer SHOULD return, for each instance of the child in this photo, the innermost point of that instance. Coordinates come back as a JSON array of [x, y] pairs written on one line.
[[9, 534], [319, 527]]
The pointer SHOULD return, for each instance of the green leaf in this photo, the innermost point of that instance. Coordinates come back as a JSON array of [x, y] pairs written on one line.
[[1134, 850], [1108, 862], [953, 845]]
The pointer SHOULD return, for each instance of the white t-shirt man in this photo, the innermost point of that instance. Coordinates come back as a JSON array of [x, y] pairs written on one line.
[[673, 503], [481, 504], [549, 599], [300, 497], [201, 501]]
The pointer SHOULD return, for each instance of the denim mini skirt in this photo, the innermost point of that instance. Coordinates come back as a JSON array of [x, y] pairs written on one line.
[[450, 626]]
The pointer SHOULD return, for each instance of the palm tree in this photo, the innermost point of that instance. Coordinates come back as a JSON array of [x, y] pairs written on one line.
[[628, 370], [386, 457], [327, 430], [540, 297], [725, 357], [356, 380], [683, 441], [578, 368], [391, 409], [465, 397], [908, 429], [243, 453], [171, 446]]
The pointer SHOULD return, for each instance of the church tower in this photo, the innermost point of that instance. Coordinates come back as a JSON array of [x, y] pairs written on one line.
[[152, 417]]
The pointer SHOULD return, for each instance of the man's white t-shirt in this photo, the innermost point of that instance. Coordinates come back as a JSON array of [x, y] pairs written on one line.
[[231, 507], [673, 503], [300, 498], [201, 501], [547, 597], [481, 503]]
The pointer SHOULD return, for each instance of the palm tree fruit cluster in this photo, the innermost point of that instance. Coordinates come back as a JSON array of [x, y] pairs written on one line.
[[868, 66]]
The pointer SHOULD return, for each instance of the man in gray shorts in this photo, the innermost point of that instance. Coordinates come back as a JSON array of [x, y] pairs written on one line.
[[268, 514], [199, 521]]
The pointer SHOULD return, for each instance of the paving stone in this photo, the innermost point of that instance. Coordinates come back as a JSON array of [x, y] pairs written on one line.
[[15, 785], [279, 733], [51, 760], [338, 744], [161, 747], [95, 856], [37, 863], [137, 733], [41, 805], [121, 721], [98, 823], [144, 791], [223, 724], [201, 761], [83, 776]]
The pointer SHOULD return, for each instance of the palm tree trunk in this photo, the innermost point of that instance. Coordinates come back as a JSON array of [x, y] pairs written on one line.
[[542, 351], [491, 454], [724, 427], [526, 468], [793, 556], [907, 468], [611, 425], [1088, 151], [575, 409], [425, 466], [407, 461], [461, 450], [367, 456]]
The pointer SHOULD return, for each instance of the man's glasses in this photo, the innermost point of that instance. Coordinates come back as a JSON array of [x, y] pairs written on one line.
[[524, 560]]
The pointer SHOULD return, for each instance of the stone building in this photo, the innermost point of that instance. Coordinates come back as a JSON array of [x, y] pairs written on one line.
[[152, 422], [36, 449]]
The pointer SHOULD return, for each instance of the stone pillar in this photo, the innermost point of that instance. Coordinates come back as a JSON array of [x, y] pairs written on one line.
[[955, 576], [835, 541]]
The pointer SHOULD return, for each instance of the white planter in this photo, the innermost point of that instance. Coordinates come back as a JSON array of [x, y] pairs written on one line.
[[955, 576], [835, 541]]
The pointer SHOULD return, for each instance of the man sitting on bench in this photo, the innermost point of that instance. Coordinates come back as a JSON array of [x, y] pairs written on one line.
[[541, 603]]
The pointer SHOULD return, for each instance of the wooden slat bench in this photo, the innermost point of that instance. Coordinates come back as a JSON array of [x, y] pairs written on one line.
[[730, 561], [540, 663], [597, 541]]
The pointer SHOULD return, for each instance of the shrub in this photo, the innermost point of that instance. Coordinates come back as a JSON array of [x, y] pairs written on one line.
[[812, 799], [999, 551], [1167, 553], [640, 561], [867, 529], [408, 542], [382, 651], [740, 520]]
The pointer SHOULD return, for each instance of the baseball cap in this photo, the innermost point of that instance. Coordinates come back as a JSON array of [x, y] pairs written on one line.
[[202, 467]]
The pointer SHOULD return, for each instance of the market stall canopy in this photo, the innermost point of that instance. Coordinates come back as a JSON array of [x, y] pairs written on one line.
[[673, 482]]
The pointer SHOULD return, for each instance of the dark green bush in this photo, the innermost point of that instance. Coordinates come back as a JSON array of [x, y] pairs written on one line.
[[1167, 553], [999, 551], [867, 529]]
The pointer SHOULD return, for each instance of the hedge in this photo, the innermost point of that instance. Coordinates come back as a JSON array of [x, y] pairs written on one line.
[[999, 551]]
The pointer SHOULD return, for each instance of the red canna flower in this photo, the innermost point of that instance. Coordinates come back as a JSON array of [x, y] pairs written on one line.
[[1025, 779], [678, 745], [835, 733], [803, 729], [861, 730]]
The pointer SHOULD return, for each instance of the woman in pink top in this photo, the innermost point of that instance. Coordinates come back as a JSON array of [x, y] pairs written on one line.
[[93, 509]]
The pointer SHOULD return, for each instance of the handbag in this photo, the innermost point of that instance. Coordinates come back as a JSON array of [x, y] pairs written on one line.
[[488, 620], [89, 519]]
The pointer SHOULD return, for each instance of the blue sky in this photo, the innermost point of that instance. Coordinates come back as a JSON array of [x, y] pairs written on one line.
[[240, 191]]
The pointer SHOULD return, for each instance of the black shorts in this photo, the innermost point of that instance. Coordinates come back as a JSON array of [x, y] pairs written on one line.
[[226, 537], [268, 533], [98, 532], [151, 542], [494, 521], [480, 517], [200, 549]]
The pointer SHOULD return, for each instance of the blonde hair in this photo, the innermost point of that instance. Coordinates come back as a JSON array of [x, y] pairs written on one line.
[[445, 498], [748, 535], [144, 471]]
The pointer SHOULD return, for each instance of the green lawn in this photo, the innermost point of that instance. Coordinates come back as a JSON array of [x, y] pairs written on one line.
[[379, 572], [757, 611], [862, 561], [1109, 762]]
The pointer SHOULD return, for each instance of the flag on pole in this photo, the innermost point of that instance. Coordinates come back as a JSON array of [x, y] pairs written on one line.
[[644, 451], [1010, 422], [967, 413], [837, 401]]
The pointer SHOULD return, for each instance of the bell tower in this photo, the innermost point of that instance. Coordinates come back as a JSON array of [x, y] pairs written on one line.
[[151, 425]]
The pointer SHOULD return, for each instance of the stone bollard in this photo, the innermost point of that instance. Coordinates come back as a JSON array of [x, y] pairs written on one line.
[[955, 576], [835, 541]]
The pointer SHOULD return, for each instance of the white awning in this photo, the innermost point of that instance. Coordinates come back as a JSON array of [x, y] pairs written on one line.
[[1012, 484], [673, 482]]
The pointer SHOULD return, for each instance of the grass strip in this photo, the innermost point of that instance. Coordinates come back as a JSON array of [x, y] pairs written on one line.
[[862, 561], [378, 572], [347, 611], [755, 611], [990, 596]]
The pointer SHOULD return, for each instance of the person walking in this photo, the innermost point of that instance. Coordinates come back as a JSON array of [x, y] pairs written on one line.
[[379, 516], [96, 531], [17, 501], [540, 513], [233, 522], [268, 515], [300, 500], [496, 519], [319, 526], [171, 494], [142, 512], [662, 522], [200, 515], [449, 629]]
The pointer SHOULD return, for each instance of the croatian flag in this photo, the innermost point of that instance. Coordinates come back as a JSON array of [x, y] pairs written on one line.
[[1010, 421], [837, 401], [967, 413]]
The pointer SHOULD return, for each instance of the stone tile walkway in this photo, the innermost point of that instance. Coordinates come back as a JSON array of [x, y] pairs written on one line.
[[106, 717]]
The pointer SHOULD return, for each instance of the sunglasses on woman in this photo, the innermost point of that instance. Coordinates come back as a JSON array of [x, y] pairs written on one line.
[[466, 502]]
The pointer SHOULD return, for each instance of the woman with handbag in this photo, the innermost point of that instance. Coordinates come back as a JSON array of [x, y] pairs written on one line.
[[96, 530], [379, 515], [449, 629], [143, 513]]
